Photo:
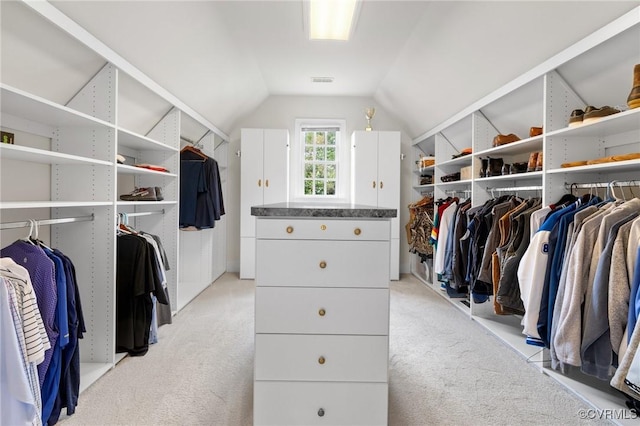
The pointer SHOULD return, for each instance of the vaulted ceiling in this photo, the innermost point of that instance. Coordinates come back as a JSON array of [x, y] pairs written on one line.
[[423, 61]]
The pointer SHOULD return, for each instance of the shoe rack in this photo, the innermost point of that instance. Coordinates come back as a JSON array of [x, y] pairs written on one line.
[[597, 71], [68, 128]]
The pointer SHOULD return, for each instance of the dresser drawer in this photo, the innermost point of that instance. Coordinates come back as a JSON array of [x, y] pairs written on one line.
[[300, 403], [322, 263], [321, 357], [324, 229], [315, 310]]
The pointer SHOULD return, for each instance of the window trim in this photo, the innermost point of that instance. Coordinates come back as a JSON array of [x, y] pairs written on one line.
[[342, 160]]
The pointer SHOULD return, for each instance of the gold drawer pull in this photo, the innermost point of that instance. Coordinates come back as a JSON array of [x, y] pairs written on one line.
[[357, 231], [323, 264], [289, 229], [322, 312], [321, 360], [321, 412]]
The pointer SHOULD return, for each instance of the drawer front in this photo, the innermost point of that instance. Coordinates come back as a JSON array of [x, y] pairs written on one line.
[[300, 403], [314, 310], [322, 263], [324, 229], [321, 358]]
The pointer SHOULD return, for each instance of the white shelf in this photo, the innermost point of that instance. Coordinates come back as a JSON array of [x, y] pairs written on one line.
[[145, 203], [132, 140], [514, 148], [622, 122], [515, 176], [90, 372], [465, 182], [34, 155], [421, 187], [23, 105], [51, 204], [615, 166], [132, 170], [425, 169], [508, 329], [465, 160]]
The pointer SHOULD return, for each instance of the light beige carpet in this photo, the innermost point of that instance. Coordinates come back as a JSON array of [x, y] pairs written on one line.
[[444, 369]]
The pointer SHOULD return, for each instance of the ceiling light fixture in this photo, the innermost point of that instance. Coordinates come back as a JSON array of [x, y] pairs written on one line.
[[332, 19], [322, 79]]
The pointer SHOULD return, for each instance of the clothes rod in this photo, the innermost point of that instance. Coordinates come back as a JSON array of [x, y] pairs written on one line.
[[516, 188], [138, 214], [601, 184], [13, 225]]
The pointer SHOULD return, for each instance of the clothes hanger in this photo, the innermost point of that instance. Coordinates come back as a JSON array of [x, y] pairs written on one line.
[[38, 241], [195, 150], [28, 239]]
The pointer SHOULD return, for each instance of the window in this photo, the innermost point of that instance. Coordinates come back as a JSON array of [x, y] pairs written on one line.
[[319, 173]]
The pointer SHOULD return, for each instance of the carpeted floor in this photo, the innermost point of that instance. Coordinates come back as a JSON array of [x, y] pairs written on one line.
[[444, 369]]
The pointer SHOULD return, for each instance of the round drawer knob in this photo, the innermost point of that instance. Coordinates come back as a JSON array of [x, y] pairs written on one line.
[[289, 229], [321, 360], [321, 412], [357, 231], [323, 264], [321, 312]]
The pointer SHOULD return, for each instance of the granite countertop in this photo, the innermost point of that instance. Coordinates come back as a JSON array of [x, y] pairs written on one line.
[[338, 210]]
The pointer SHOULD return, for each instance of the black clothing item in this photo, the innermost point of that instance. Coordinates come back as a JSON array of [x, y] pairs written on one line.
[[136, 279], [201, 202]]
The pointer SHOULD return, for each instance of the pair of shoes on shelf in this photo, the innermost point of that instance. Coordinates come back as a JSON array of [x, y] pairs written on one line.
[[590, 115], [602, 160], [535, 162], [153, 193], [535, 131]]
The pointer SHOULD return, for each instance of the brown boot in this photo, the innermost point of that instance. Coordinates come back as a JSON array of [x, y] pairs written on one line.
[[539, 162], [533, 159], [634, 97]]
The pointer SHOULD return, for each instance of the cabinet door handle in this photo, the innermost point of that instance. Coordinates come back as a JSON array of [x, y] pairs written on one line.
[[266, 183], [289, 229], [323, 264], [381, 184], [374, 183], [321, 412], [322, 312], [357, 231], [321, 360], [259, 182]]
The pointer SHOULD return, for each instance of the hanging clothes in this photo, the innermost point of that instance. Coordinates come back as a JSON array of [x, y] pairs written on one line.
[[201, 201], [419, 227]]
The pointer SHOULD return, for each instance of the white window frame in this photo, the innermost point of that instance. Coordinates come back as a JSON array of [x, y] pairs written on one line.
[[342, 161]]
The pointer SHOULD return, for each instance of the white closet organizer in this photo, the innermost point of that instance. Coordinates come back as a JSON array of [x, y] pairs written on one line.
[[596, 71], [63, 166]]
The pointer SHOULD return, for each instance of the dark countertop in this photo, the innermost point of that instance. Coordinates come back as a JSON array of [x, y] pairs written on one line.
[[338, 210]]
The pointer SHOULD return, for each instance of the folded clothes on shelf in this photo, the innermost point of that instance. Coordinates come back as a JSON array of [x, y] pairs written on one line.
[[152, 167]]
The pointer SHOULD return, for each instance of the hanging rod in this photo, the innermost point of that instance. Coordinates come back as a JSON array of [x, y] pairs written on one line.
[[601, 184], [138, 214], [458, 191], [516, 188], [26, 224]]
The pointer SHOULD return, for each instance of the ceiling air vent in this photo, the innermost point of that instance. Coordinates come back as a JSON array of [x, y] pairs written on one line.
[[322, 79]]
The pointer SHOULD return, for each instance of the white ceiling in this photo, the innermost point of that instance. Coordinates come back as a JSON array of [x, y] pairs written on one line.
[[422, 61]]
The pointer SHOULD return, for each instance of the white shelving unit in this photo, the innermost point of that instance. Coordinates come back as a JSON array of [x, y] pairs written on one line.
[[596, 71], [64, 159]]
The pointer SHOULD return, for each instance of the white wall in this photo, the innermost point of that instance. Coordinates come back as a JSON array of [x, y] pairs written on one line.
[[281, 112]]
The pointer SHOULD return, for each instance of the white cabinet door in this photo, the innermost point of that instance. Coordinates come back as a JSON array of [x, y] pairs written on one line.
[[276, 166], [364, 168], [389, 175], [251, 178]]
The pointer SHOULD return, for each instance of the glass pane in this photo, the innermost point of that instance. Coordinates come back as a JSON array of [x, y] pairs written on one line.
[[320, 153], [331, 154], [319, 138], [308, 153], [331, 171], [308, 170], [319, 171], [308, 138], [319, 184], [331, 187], [308, 187], [331, 138]]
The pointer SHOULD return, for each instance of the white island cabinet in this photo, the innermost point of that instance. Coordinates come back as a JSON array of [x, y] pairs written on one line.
[[322, 314]]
